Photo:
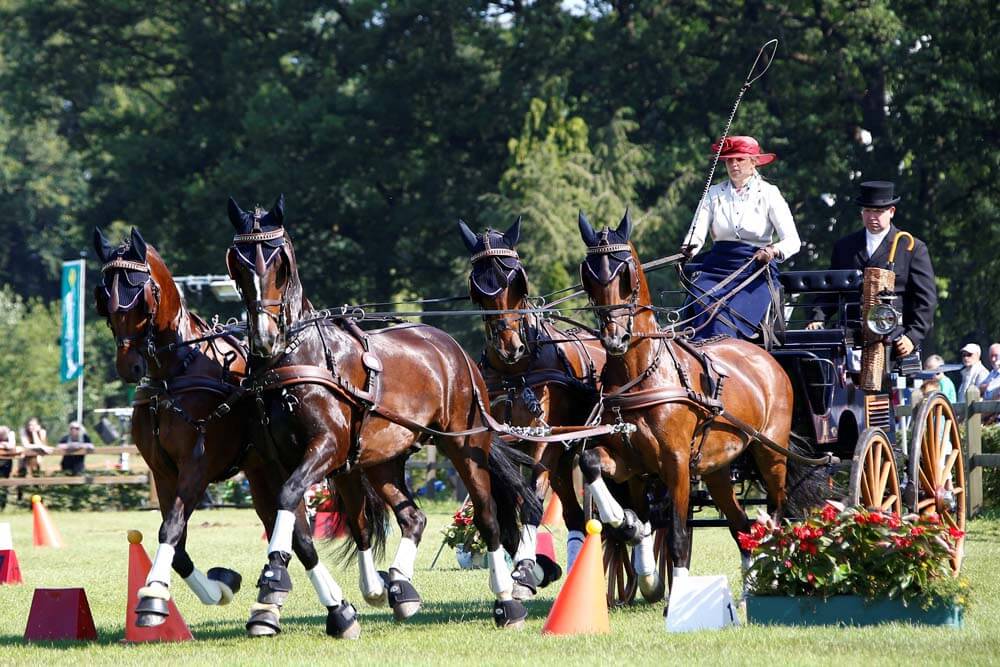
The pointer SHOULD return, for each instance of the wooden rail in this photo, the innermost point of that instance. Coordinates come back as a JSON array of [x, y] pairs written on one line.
[[74, 480]]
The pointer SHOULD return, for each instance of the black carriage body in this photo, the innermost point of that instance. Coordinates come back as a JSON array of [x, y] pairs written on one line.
[[831, 410]]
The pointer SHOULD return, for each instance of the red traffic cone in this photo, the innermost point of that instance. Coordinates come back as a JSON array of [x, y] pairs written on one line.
[[59, 613], [10, 570], [553, 512], [174, 629], [45, 533], [581, 608]]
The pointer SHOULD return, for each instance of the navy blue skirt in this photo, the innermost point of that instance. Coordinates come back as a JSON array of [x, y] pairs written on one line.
[[741, 316]]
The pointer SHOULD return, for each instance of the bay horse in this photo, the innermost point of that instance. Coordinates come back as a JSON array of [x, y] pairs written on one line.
[[188, 421], [696, 409], [335, 399], [538, 374]]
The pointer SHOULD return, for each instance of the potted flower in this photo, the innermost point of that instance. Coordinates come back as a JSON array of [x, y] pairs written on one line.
[[463, 536], [855, 567], [321, 504]]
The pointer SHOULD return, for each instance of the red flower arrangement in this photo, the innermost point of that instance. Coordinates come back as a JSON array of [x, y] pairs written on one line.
[[463, 532], [853, 551], [319, 498]]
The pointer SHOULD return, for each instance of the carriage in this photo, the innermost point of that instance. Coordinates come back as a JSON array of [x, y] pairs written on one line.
[[914, 464]]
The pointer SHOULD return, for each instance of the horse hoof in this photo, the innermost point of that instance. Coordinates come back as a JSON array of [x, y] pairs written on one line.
[[149, 620], [404, 599], [652, 587], [525, 580], [229, 579], [342, 621], [151, 612], [263, 623], [509, 614], [551, 570], [377, 600]]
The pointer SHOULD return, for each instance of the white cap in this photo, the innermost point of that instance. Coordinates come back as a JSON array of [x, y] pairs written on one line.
[[972, 348]]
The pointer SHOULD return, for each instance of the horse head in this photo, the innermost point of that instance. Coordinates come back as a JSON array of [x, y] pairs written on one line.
[[261, 261], [138, 299], [498, 282], [614, 281]]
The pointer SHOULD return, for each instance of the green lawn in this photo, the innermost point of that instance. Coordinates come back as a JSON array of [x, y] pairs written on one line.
[[455, 626]]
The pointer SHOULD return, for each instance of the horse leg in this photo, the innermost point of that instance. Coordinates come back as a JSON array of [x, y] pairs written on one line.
[[217, 587], [527, 577], [275, 583], [471, 458], [643, 557], [593, 463], [573, 517], [721, 489], [390, 484], [676, 474]]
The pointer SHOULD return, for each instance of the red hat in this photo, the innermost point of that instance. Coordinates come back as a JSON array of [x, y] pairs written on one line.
[[743, 147]]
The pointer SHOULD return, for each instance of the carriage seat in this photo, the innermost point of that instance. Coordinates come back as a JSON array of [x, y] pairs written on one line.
[[842, 280]]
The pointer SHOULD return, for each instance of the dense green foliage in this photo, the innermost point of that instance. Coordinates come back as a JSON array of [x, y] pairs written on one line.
[[383, 122]]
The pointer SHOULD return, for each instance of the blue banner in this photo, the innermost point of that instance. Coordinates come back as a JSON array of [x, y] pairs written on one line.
[[71, 357]]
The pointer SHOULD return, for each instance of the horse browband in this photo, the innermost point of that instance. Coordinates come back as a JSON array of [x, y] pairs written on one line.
[[493, 252], [258, 237], [125, 264], [609, 249]]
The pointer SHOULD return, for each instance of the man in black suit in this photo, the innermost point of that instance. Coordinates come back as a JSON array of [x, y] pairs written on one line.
[[916, 293]]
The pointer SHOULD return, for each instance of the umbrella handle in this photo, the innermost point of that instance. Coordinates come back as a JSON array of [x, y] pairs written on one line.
[[895, 242]]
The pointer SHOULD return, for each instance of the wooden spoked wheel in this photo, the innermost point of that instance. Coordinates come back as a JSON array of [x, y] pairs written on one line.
[[620, 573], [937, 468], [874, 480]]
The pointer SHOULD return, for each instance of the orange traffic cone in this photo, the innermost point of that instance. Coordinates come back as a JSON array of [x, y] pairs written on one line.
[[174, 629], [581, 608], [553, 512], [46, 534]]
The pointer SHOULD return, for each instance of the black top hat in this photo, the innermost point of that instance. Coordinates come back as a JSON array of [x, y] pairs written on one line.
[[877, 194]]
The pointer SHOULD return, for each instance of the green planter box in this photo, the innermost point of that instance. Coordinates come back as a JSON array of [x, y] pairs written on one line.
[[844, 610]]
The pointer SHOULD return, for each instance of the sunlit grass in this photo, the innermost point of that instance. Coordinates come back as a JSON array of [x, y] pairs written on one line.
[[455, 625]]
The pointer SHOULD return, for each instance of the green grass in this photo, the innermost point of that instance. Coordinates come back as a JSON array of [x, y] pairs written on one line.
[[455, 626]]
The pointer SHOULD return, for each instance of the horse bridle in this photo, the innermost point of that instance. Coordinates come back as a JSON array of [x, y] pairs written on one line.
[[257, 237], [151, 298], [496, 325], [605, 314]]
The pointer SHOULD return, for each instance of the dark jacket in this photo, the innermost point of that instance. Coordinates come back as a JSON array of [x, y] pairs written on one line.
[[915, 286]]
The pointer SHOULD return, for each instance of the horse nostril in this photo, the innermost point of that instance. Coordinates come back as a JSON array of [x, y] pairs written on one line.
[[519, 352]]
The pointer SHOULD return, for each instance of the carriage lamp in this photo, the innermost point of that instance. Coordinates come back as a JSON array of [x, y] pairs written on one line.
[[881, 319]]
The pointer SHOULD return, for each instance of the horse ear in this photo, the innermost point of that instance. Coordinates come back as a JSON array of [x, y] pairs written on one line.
[[625, 226], [236, 215], [469, 237], [102, 247], [138, 244], [278, 210], [513, 235], [587, 232]]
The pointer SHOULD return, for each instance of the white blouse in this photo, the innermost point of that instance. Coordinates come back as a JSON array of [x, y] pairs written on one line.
[[753, 216]]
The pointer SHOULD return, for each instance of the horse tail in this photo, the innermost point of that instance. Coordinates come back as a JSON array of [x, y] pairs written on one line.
[[378, 526], [806, 486], [511, 491]]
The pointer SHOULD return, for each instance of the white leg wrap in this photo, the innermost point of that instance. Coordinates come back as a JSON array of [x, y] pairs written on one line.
[[501, 583], [574, 542], [528, 545], [208, 591], [406, 556], [281, 535], [371, 583], [680, 572], [329, 592], [160, 570], [611, 512], [642, 554], [157, 590]]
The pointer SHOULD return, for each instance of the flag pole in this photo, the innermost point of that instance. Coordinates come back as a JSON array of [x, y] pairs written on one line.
[[83, 292]]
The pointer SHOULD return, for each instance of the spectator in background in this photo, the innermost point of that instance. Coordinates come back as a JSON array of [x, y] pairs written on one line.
[[8, 447], [35, 442], [974, 372], [990, 387], [77, 438], [939, 382]]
